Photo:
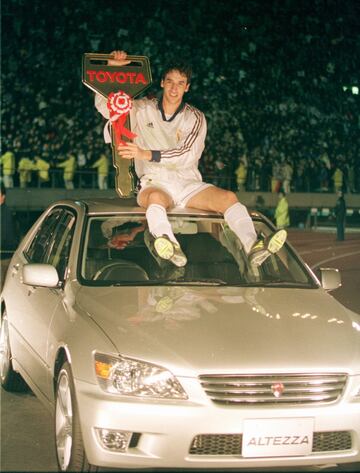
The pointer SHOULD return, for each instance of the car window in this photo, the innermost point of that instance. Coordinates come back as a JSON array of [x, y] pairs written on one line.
[[51, 243], [59, 250], [38, 249], [118, 250]]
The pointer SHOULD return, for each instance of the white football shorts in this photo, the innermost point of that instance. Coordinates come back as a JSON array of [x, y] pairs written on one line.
[[181, 190]]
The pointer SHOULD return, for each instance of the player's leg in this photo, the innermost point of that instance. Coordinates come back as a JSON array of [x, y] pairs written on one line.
[[161, 237], [237, 217], [236, 214]]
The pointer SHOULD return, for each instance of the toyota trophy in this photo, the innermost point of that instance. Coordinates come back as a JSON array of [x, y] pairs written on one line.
[[119, 84]]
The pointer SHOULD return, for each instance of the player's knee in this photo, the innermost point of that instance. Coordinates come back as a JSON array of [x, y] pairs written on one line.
[[220, 200], [229, 199], [159, 197]]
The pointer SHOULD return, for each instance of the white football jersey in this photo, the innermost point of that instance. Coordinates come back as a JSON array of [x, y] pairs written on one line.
[[178, 139]]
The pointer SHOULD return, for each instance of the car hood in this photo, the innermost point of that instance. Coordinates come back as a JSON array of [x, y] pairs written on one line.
[[227, 329]]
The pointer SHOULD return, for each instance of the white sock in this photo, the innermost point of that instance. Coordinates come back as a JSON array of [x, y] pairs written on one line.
[[240, 222], [158, 222]]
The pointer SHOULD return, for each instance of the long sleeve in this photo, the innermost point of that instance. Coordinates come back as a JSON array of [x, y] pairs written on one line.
[[101, 106]]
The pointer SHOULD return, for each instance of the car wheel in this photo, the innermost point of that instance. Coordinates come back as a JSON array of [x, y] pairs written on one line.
[[69, 444], [10, 380]]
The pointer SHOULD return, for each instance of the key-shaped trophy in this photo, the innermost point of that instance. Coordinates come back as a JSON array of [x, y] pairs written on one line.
[[118, 84]]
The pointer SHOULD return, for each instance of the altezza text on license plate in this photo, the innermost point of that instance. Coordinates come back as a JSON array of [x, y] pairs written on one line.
[[277, 437]]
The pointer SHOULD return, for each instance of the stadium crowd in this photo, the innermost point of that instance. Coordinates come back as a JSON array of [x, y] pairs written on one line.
[[277, 81]]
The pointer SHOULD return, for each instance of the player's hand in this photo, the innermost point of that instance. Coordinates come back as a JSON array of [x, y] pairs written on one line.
[[132, 151], [119, 59], [122, 240]]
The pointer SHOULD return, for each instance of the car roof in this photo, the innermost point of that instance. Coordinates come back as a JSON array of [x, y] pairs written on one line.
[[115, 205]]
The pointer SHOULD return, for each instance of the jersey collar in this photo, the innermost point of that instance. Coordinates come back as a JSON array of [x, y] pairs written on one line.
[[178, 110]]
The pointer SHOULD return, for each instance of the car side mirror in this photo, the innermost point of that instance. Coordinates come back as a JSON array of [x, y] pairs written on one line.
[[44, 275], [330, 278]]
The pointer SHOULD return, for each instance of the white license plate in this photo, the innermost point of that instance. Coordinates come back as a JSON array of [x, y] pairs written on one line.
[[277, 437]]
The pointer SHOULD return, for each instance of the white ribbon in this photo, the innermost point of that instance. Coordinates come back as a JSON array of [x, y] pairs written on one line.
[[107, 132]]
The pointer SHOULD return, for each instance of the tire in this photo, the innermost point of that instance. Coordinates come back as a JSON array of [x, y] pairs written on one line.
[[10, 380], [69, 445]]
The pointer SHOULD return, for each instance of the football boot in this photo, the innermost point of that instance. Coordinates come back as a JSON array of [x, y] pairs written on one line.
[[265, 247]]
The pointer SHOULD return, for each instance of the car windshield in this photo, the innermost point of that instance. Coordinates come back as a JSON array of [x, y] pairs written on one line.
[[119, 251]]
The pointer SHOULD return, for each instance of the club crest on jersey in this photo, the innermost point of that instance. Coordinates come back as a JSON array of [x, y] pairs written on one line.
[[179, 134]]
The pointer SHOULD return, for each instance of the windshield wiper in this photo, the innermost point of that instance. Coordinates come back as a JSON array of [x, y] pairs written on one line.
[[198, 282], [136, 283], [172, 282], [283, 282]]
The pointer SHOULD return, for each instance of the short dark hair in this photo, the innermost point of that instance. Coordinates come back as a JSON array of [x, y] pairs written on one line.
[[184, 69], [3, 189]]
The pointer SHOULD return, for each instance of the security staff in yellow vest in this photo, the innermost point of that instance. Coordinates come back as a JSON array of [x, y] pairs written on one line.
[[7, 162], [69, 166], [42, 167], [102, 165], [25, 168], [282, 211]]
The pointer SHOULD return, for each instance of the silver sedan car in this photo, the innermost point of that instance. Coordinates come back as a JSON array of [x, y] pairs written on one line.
[[146, 365]]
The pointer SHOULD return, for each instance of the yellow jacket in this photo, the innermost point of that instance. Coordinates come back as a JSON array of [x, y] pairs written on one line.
[[102, 164], [69, 166], [7, 161], [338, 177], [43, 169], [241, 174], [282, 213], [25, 167]]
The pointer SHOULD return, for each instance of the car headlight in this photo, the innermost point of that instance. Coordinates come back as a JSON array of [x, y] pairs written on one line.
[[131, 377]]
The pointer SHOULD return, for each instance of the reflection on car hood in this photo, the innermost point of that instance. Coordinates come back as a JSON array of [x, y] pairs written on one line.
[[227, 329]]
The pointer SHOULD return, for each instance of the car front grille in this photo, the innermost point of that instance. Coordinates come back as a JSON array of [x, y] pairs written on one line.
[[274, 389], [230, 444]]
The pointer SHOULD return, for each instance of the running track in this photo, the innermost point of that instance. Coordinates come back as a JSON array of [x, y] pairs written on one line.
[[320, 249]]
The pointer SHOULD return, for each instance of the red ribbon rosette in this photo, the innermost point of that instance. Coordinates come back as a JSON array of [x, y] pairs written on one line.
[[119, 105]]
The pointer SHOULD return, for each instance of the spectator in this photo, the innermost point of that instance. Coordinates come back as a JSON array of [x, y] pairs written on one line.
[[25, 168], [221, 176], [350, 167], [7, 162], [338, 177], [42, 167], [287, 177], [102, 166], [69, 166], [276, 178], [241, 173], [282, 211], [324, 178], [81, 166]]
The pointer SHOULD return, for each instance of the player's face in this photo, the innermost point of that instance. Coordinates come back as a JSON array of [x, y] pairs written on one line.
[[175, 85]]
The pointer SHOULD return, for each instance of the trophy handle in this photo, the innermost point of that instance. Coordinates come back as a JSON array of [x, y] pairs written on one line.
[[125, 176]]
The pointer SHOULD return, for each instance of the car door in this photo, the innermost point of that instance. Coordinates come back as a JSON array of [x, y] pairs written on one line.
[[36, 305]]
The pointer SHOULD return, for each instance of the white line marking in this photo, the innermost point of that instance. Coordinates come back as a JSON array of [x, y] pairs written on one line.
[[344, 255], [313, 251], [327, 248]]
